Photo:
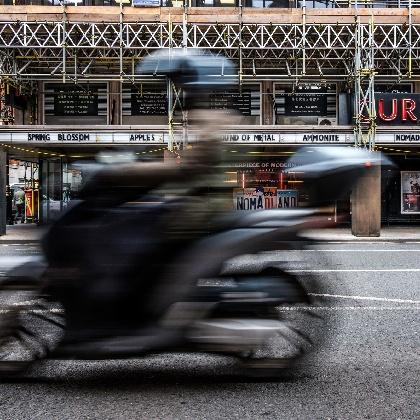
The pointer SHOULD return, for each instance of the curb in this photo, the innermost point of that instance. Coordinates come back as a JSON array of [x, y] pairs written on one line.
[[19, 241], [370, 241], [355, 240], [320, 240], [348, 238]]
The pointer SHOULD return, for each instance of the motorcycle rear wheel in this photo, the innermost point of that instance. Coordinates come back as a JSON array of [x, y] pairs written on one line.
[[31, 326]]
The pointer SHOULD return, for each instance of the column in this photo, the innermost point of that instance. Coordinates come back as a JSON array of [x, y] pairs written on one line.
[[366, 204], [114, 103], [3, 203], [267, 106]]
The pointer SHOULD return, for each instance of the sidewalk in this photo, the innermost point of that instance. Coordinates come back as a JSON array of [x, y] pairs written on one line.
[[30, 233], [22, 234], [388, 234]]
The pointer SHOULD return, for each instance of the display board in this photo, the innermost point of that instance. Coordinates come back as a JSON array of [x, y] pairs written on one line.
[[306, 100], [75, 101], [149, 101], [67, 100], [232, 100], [246, 101], [410, 192]]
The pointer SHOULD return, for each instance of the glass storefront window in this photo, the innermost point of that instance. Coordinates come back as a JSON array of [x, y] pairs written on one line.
[[264, 184], [72, 182], [313, 4], [60, 184], [51, 189], [263, 3], [22, 176]]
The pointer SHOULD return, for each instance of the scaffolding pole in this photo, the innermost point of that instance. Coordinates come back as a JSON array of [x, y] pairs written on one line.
[[410, 43], [176, 95], [185, 48], [6, 110], [64, 43], [364, 86], [169, 91]]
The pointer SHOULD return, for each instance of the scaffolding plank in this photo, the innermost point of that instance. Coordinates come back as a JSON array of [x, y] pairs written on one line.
[[203, 15]]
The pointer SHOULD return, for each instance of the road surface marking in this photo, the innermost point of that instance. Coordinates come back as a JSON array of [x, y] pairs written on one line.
[[389, 241], [350, 249], [285, 308], [379, 299], [357, 270], [348, 308]]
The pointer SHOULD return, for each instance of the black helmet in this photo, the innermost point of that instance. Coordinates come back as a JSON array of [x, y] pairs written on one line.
[[194, 70]]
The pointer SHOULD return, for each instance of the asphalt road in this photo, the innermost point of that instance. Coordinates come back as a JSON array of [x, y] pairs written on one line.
[[369, 370]]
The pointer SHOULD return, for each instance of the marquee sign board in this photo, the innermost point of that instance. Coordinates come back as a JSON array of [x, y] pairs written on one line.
[[397, 108], [161, 137], [277, 138], [44, 138]]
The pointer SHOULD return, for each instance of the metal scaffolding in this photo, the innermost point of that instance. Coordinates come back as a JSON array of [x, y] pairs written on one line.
[[109, 51], [355, 53]]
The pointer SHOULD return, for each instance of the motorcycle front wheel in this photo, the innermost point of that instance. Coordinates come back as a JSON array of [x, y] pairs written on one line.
[[304, 329], [290, 348]]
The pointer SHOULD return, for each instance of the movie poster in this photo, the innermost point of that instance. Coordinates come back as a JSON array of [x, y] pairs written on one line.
[[248, 198], [287, 199], [264, 198], [410, 192], [29, 204], [270, 198]]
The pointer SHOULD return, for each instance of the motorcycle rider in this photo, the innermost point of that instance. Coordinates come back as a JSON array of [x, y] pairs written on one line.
[[142, 248]]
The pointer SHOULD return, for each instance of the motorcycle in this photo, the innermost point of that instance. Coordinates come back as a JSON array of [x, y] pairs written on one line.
[[63, 307]]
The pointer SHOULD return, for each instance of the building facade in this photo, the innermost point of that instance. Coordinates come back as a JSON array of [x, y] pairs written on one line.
[[317, 72]]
